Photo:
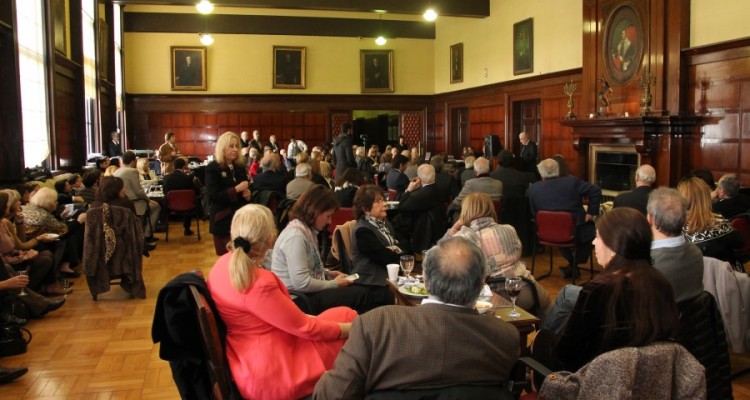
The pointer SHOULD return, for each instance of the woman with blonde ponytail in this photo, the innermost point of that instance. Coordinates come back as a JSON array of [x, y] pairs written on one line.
[[268, 337]]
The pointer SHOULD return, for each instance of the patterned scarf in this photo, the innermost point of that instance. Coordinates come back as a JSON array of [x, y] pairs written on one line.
[[318, 270], [383, 228]]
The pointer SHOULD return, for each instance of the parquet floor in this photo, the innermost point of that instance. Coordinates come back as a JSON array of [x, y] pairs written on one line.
[[102, 349]]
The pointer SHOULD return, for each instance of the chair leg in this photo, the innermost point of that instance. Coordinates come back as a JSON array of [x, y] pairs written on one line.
[[198, 224], [551, 267], [574, 269]]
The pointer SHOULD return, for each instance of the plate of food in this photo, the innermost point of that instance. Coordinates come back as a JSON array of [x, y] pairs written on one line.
[[483, 306], [417, 290]]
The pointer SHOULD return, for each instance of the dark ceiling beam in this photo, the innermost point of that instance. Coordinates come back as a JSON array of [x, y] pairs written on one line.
[[273, 25], [453, 8]]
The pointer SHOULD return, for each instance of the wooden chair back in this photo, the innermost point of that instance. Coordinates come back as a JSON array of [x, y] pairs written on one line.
[[217, 362]]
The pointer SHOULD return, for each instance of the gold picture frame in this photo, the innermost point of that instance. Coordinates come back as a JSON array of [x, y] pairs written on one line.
[[523, 47], [289, 67], [189, 67], [376, 71]]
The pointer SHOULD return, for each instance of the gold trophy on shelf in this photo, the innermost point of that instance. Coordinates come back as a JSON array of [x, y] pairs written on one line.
[[645, 82], [569, 89]]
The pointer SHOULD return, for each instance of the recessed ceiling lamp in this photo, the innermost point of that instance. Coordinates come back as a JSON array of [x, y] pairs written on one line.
[[204, 7], [207, 39], [430, 15], [380, 40]]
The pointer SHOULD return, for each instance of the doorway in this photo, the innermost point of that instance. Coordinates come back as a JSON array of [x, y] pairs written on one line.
[[459, 130], [527, 117]]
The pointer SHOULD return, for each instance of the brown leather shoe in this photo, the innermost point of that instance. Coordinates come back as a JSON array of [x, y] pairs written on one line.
[[54, 304], [57, 290]]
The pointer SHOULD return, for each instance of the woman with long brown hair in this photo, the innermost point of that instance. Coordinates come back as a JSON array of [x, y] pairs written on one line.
[[709, 231], [629, 304]]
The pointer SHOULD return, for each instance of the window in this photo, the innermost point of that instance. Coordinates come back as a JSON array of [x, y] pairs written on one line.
[[34, 109], [88, 13]]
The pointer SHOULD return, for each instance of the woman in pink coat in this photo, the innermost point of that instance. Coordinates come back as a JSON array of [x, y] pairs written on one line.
[[275, 351]]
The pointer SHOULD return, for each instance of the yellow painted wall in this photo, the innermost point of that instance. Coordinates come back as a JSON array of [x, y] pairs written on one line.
[[713, 21], [488, 42]]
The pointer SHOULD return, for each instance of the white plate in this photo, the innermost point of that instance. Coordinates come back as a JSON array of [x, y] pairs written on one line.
[[53, 236], [483, 306], [406, 291]]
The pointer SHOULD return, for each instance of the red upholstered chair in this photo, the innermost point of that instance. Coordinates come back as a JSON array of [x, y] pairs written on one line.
[[182, 202], [556, 229], [392, 194], [741, 224]]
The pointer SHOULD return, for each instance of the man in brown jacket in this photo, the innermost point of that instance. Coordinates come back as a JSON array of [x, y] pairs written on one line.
[[168, 152], [443, 342]]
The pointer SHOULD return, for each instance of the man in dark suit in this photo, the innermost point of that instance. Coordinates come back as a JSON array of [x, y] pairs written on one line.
[[447, 183], [115, 146], [273, 145], [566, 193], [528, 152], [270, 178], [396, 179], [729, 201], [421, 217], [645, 176], [180, 180], [342, 150], [515, 182], [384, 343]]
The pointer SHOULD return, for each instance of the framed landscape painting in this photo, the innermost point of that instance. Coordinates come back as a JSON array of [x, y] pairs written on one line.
[[188, 68], [288, 67], [376, 71], [523, 47]]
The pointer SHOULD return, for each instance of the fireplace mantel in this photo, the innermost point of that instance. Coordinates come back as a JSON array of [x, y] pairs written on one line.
[[665, 142]]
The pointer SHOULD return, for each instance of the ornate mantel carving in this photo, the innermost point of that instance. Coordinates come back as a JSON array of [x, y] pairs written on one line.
[[663, 141]]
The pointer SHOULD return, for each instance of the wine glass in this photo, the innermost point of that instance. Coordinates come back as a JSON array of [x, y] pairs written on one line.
[[407, 264], [513, 287], [23, 289]]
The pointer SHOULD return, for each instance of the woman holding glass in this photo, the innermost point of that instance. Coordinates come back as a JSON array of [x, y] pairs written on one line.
[[629, 304], [274, 350], [374, 243], [502, 248], [227, 188], [22, 257], [296, 259]]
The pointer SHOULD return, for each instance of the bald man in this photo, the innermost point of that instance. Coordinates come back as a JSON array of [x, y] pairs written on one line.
[[645, 176]]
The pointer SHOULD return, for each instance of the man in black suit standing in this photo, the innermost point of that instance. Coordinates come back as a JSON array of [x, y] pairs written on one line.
[[645, 176], [180, 180], [515, 182], [528, 152], [342, 150], [115, 147]]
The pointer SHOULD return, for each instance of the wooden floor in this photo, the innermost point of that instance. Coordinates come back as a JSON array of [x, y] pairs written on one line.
[[103, 350]]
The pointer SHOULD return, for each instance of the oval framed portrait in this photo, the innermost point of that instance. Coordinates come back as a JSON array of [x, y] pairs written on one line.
[[623, 44]]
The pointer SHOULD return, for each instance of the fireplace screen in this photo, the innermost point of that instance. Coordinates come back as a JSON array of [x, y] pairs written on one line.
[[613, 168]]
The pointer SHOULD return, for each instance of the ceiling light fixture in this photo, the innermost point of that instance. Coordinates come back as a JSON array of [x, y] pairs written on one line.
[[380, 40], [207, 39], [430, 15], [204, 7]]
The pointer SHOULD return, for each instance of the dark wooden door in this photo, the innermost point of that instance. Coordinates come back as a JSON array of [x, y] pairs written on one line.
[[527, 117], [459, 133]]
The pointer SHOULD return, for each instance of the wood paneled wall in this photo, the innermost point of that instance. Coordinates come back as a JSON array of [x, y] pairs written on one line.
[[198, 120], [718, 88]]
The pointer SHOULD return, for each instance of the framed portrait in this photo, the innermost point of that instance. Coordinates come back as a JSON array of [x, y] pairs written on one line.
[[376, 71], [60, 25], [288, 67], [523, 47], [457, 63], [188, 67], [623, 44]]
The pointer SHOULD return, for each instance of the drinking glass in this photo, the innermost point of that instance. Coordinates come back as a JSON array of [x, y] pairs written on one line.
[[407, 264], [23, 290], [513, 287]]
